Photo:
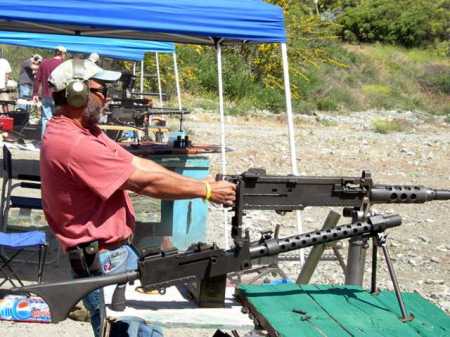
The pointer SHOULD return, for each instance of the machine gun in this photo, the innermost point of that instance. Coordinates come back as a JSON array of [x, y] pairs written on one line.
[[134, 111], [257, 191], [203, 268]]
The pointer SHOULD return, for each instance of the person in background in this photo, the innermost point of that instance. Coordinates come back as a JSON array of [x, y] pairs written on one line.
[[86, 178], [5, 71], [94, 57], [28, 71], [41, 86]]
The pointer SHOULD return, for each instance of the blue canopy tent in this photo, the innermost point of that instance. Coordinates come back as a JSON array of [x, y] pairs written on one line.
[[184, 21], [214, 22], [124, 49], [116, 48], [10, 38]]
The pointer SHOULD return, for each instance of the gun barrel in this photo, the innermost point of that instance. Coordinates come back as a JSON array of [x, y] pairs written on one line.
[[406, 194], [442, 194], [374, 224]]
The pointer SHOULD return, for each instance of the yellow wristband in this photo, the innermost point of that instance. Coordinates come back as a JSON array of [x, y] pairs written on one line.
[[208, 191]]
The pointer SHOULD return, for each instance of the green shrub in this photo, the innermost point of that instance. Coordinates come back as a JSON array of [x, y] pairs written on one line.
[[405, 22], [436, 78], [327, 104], [376, 90], [385, 126]]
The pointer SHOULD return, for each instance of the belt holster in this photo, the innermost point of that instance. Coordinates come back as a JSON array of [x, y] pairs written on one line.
[[84, 259]]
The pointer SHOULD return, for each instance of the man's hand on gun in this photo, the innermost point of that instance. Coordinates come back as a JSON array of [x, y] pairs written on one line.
[[222, 192]]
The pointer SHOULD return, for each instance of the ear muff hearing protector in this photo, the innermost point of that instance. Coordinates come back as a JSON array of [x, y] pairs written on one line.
[[77, 91]]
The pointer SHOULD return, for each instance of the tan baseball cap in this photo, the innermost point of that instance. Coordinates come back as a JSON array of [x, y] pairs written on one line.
[[65, 73]]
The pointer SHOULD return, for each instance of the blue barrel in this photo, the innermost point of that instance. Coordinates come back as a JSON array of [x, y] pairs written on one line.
[[184, 220]]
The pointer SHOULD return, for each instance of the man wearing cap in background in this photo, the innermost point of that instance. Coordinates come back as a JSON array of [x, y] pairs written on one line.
[[28, 70], [41, 85], [94, 57], [86, 177]]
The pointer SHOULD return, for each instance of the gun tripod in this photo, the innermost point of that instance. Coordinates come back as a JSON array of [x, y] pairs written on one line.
[[380, 240], [357, 256]]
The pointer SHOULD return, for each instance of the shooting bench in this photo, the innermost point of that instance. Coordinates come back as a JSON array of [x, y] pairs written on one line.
[[292, 310]]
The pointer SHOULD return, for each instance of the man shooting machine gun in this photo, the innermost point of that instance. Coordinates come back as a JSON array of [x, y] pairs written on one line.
[[203, 268]]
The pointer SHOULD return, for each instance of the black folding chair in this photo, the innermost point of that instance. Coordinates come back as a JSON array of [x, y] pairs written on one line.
[[8, 199], [16, 179]]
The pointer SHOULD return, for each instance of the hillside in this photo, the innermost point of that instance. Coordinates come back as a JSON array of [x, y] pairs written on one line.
[[333, 67]]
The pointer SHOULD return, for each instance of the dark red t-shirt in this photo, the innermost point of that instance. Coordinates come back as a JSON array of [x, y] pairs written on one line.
[[81, 175], [41, 79]]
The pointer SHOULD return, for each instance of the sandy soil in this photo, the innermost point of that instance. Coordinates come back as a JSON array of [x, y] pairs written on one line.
[[327, 145]]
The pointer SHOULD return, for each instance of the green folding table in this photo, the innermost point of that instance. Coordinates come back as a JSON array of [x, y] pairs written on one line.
[[292, 310]]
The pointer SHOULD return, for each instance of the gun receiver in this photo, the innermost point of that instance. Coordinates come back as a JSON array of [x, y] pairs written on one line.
[[203, 267], [258, 191]]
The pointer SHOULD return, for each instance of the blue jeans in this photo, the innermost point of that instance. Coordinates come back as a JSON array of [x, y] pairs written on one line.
[[111, 262], [25, 92], [47, 111]]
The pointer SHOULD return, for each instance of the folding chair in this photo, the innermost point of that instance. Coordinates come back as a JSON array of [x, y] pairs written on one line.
[[8, 200], [24, 180], [18, 242]]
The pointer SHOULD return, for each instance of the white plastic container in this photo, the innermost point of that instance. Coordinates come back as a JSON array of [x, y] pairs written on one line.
[[24, 309]]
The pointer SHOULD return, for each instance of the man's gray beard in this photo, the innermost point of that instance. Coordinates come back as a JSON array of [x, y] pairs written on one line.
[[93, 113]]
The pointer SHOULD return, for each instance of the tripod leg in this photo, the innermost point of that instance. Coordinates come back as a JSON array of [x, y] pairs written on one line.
[[316, 252], [382, 242], [373, 287]]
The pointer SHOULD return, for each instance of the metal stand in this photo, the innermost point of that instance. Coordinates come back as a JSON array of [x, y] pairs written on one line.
[[357, 251], [373, 284], [380, 240]]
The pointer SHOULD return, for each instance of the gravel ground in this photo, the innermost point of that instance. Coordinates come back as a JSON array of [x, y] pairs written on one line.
[[331, 145]]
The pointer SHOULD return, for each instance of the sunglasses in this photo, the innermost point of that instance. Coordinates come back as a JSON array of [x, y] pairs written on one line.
[[103, 91]]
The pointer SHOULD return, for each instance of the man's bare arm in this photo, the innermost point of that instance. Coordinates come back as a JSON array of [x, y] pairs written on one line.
[[153, 180], [151, 166]]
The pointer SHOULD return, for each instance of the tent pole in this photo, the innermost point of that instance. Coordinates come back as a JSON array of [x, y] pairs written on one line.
[[291, 132], [158, 73], [177, 80], [134, 74], [142, 79], [222, 134]]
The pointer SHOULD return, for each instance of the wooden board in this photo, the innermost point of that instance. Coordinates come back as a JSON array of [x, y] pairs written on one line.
[[174, 311], [293, 310]]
